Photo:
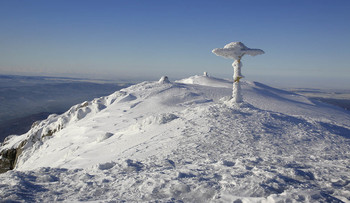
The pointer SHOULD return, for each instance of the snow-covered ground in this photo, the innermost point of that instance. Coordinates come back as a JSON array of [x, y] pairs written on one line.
[[185, 142]]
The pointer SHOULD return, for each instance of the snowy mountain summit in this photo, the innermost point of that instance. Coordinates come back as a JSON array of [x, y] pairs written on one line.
[[183, 141]]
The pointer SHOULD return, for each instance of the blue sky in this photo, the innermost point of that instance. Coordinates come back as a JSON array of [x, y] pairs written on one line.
[[306, 42]]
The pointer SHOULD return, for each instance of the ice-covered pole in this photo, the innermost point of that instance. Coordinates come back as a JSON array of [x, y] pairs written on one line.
[[237, 75], [236, 50]]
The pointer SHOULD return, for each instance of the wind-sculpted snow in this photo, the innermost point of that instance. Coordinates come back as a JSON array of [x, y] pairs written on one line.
[[235, 50], [176, 142], [41, 131]]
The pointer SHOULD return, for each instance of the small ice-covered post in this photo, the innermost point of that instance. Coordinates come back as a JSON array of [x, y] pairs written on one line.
[[236, 50]]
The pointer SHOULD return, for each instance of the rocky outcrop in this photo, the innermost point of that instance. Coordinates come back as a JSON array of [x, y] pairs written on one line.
[[9, 157], [7, 160], [12, 147]]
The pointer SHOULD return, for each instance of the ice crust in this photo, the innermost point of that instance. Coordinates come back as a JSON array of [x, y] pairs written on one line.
[[185, 142]]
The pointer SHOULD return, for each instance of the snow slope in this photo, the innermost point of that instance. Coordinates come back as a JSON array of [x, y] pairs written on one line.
[[185, 141]]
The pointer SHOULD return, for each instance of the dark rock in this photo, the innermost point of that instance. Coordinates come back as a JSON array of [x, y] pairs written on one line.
[[7, 160], [9, 157]]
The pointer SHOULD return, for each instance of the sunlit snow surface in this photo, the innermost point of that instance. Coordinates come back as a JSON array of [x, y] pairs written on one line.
[[184, 141]]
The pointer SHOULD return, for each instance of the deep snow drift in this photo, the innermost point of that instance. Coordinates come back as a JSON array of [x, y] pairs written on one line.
[[183, 141]]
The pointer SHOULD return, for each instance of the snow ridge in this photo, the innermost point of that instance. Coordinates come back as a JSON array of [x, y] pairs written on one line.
[[185, 142]]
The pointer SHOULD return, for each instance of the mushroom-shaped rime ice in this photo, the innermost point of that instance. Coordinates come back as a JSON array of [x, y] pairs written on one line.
[[235, 51]]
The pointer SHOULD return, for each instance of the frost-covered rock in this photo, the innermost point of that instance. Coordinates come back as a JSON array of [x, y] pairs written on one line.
[[164, 79]]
